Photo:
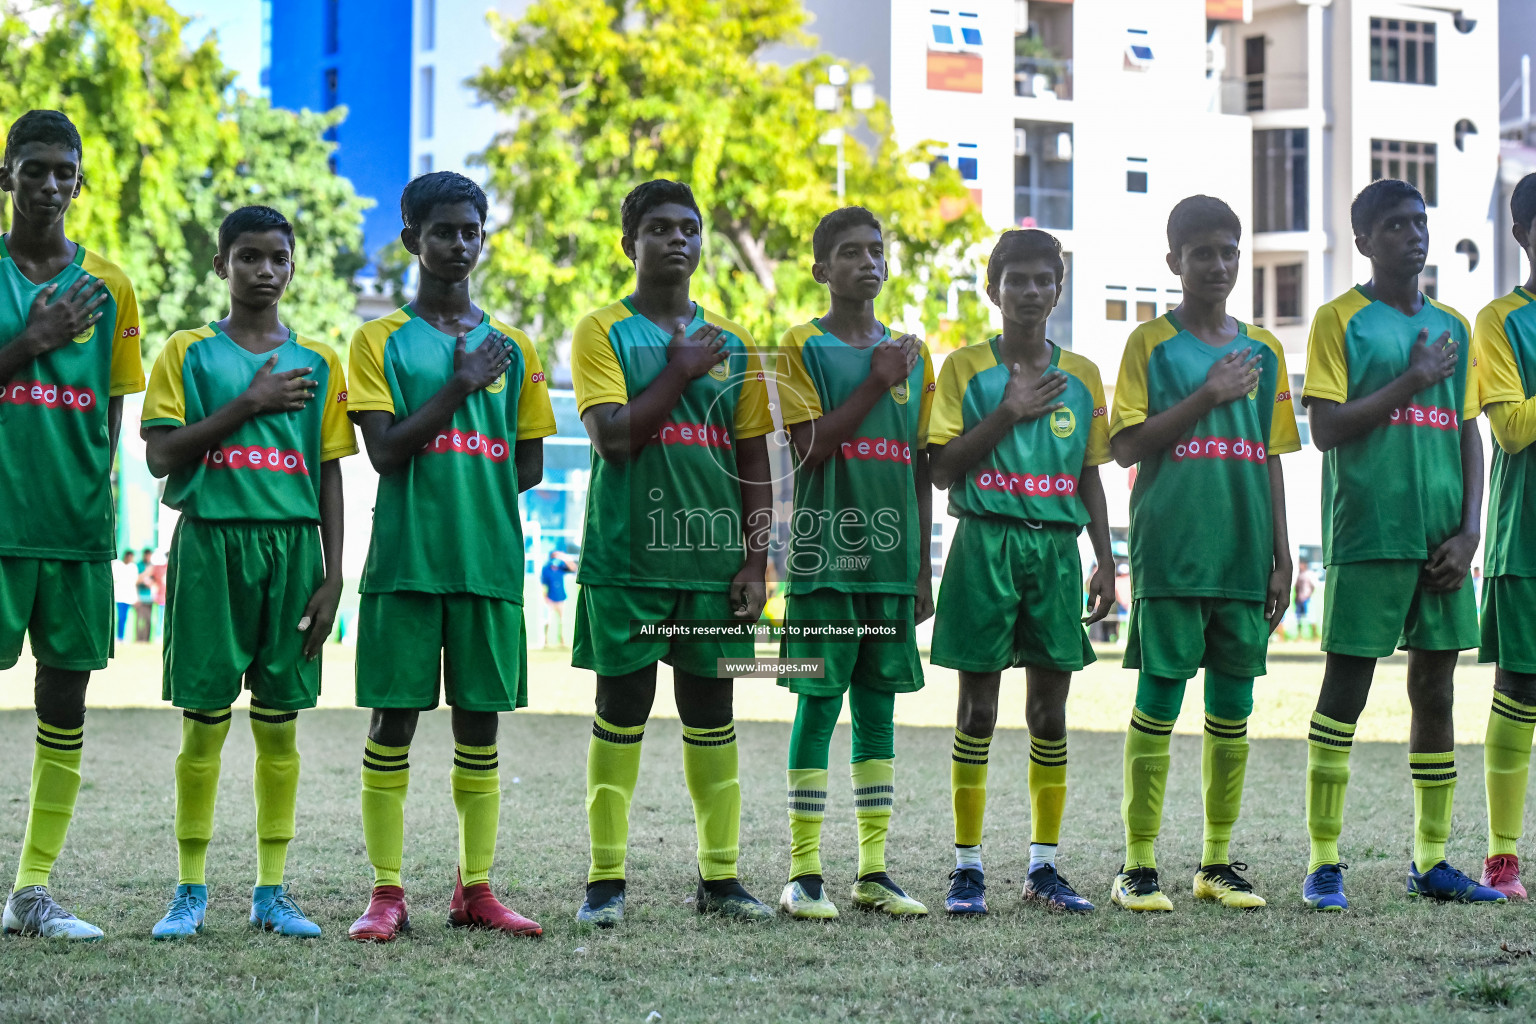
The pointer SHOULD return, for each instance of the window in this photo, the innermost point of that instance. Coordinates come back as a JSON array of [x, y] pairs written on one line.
[[1288, 293], [970, 33], [424, 164], [962, 157], [1280, 180], [1429, 280], [1114, 309], [425, 102], [1253, 70], [331, 88], [957, 30], [1146, 311], [1138, 50], [428, 25], [1042, 175], [1258, 295], [1135, 181], [332, 26], [1413, 162], [1402, 51]]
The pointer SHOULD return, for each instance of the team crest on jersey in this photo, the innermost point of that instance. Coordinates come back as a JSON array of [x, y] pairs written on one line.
[[721, 370], [85, 335], [498, 385], [900, 393], [1254, 394], [1063, 422]]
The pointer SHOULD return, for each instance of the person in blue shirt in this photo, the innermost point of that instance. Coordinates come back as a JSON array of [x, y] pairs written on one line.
[[552, 576]]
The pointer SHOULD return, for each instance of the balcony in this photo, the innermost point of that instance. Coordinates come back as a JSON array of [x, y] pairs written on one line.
[[1247, 94], [1042, 175], [1046, 78]]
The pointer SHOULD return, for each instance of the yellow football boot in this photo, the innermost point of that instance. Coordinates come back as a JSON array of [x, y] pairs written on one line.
[[1222, 883], [1137, 889], [878, 892]]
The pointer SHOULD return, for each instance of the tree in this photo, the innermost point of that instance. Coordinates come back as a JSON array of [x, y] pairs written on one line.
[[607, 93], [169, 150]]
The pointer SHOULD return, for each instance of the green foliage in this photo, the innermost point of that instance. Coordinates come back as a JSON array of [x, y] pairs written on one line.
[[1482, 988], [609, 93], [168, 151]]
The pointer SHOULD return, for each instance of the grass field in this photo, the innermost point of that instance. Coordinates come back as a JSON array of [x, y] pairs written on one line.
[[1388, 960]]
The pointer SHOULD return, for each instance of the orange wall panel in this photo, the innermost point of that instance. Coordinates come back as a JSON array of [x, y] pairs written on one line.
[[954, 72]]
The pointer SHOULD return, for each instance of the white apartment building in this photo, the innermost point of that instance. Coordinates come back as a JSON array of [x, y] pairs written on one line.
[[1092, 118], [450, 43]]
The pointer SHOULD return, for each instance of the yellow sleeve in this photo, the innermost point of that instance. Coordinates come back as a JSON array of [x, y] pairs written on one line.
[[535, 416], [1327, 367], [369, 390], [337, 438], [596, 375], [1471, 395], [1513, 424], [1131, 388], [127, 375], [754, 417], [797, 392], [1283, 435], [1098, 428], [925, 405], [165, 403], [947, 417], [1498, 376]]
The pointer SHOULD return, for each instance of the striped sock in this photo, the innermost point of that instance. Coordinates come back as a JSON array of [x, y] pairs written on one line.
[[710, 767], [1047, 789], [807, 810], [197, 787], [874, 797], [613, 768], [476, 786], [51, 802], [968, 786], [1146, 778], [1507, 768], [386, 780], [276, 783], [1434, 786], [1328, 746], [1223, 767]]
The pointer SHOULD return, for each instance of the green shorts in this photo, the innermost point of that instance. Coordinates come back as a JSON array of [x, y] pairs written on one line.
[[886, 666], [1509, 623], [1175, 637], [605, 642], [1371, 609], [1012, 595], [234, 595], [65, 606], [410, 645]]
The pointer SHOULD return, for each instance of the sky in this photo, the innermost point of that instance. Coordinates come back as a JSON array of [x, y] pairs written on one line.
[[238, 24]]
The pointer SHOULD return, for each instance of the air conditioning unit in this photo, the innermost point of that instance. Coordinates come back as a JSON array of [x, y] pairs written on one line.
[[1020, 142]]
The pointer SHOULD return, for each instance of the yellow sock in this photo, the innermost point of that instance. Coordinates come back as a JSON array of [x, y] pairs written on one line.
[[613, 767], [1328, 746], [276, 784], [1223, 767], [710, 768], [1047, 789], [476, 785], [968, 786], [1507, 767], [1434, 785], [386, 779], [874, 796], [197, 788], [51, 801], [807, 810], [1146, 779]]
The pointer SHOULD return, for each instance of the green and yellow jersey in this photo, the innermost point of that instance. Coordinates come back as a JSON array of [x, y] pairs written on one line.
[[269, 468], [447, 522], [1504, 353], [56, 460], [1395, 492], [1201, 520], [854, 526], [1034, 472], [671, 515]]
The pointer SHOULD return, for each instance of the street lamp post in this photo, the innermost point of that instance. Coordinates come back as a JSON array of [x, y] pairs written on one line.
[[829, 97]]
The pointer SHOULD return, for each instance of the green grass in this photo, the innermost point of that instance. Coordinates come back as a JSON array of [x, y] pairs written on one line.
[[1388, 960]]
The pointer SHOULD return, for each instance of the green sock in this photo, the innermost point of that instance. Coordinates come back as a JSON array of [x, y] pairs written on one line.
[[1328, 746], [874, 796], [811, 735], [807, 810], [476, 784], [874, 731], [1434, 785], [1047, 789], [1146, 778], [51, 801], [613, 768], [1223, 766], [386, 780], [1507, 767], [197, 787], [714, 784], [968, 786], [276, 782]]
